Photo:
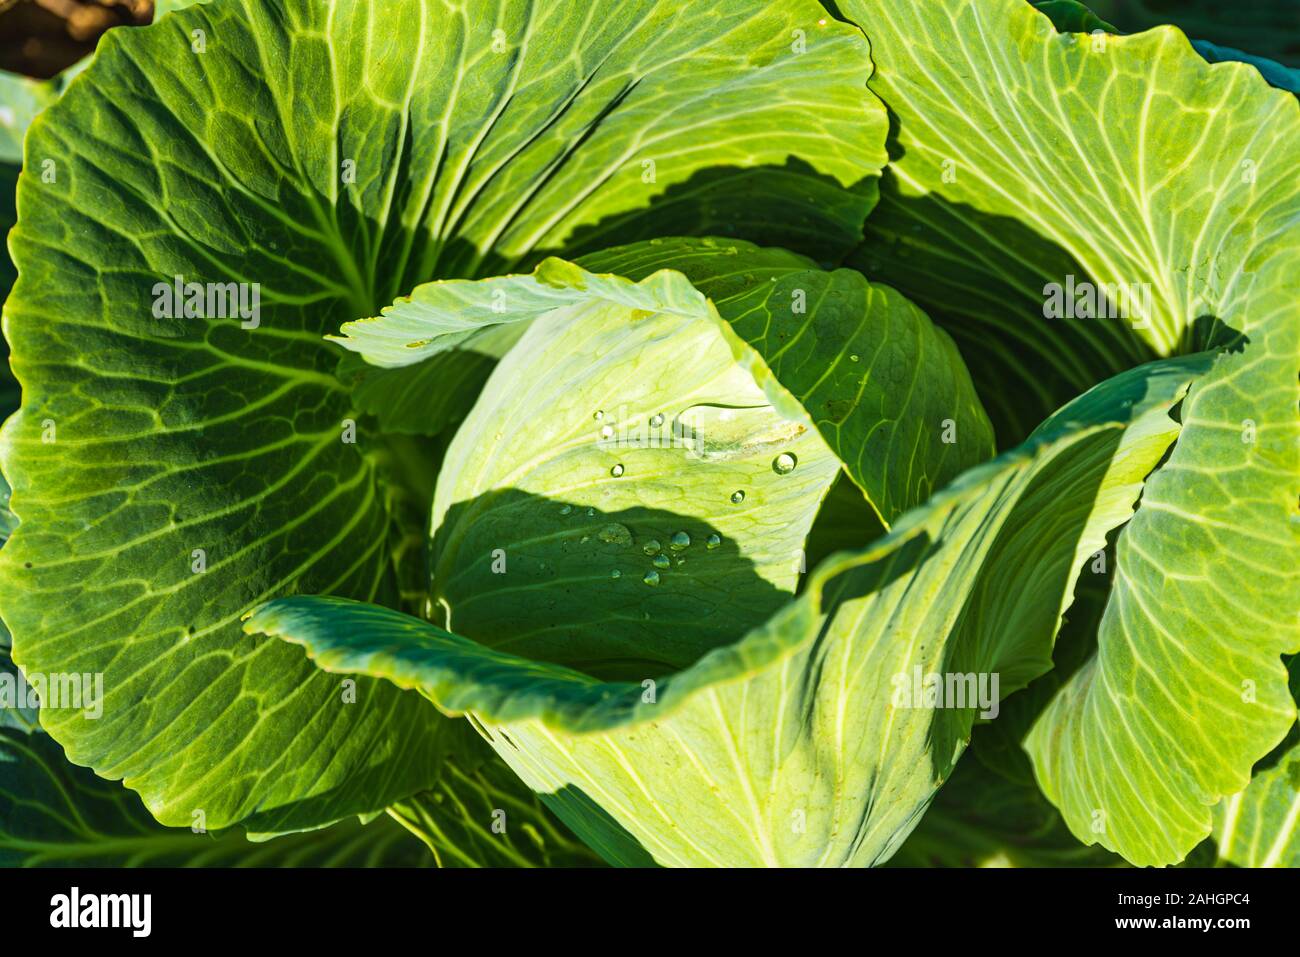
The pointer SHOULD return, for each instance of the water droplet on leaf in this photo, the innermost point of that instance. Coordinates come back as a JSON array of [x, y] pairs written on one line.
[[713, 541], [616, 471], [614, 534], [651, 547], [651, 578], [679, 541], [783, 464], [737, 497]]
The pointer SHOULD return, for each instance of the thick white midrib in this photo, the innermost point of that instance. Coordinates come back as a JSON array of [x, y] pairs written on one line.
[[1228, 831]]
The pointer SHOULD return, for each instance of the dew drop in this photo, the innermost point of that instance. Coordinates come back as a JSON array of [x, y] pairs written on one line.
[[651, 547], [606, 431], [783, 464], [661, 561], [615, 574], [614, 534], [679, 541], [617, 470], [651, 578], [566, 509], [853, 358], [713, 541], [737, 496], [656, 420], [598, 415]]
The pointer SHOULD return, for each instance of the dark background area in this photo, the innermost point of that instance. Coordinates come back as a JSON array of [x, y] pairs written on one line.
[[1267, 28], [42, 37]]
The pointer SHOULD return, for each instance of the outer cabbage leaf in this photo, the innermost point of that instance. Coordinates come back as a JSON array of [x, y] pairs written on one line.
[[791, 745], [1260, 826], [53, 813], [1187, 690], [1009, 173], [292, 145]]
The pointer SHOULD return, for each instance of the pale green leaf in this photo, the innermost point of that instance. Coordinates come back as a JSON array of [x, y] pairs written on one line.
[[1196, 201], [791, 745], [621, 447], [885, 389], [1260, 826], [1010, 174], [448, 314], [991, 812], [614, 501], [1187, 690]]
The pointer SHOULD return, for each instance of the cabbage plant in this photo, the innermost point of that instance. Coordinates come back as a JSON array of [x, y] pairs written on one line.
[[731, 434]]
